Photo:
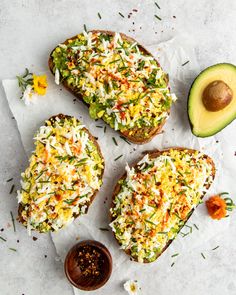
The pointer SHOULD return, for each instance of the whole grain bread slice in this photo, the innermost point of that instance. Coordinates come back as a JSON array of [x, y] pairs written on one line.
[[137, 135], [92, 138], [155, 154]]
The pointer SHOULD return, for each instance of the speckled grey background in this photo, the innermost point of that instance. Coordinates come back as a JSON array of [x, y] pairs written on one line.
[[29, 29]]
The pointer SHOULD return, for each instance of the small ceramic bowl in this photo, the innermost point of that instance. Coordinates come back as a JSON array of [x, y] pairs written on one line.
[[88, 265]]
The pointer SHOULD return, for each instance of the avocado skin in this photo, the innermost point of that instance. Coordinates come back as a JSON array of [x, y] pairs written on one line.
[[189, 101]]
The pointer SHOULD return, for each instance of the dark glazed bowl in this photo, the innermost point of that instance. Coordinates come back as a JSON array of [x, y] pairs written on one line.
[[75, 271]]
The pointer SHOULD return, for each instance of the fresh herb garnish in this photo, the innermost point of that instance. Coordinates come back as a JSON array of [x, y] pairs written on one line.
[[114, 140], [203, 256], [172, 264], [196, 226], [157, 5], [156, 16], [215, 248], [99, 15], [174, 255], [13, 221], [10, 179], [149, 221], [105, 129], [13, 249], [25, 80], [118, 158], [185, 63], [99, 126], [103, 229], [121, 14], [1, 238], [122, 137], [12, 188]]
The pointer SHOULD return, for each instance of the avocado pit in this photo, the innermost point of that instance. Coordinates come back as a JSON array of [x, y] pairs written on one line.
[[216, 96]]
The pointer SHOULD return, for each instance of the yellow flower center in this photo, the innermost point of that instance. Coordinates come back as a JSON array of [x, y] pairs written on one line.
[[40, 84]]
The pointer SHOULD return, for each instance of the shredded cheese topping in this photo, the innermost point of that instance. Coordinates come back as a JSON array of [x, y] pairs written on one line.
[[65, 171], [156, 198], [123, 85]]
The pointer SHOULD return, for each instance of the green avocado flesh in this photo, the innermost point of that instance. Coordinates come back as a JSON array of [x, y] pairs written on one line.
[[203, 122]]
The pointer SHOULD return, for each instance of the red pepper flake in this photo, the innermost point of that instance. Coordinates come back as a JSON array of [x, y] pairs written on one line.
[[90, 261]]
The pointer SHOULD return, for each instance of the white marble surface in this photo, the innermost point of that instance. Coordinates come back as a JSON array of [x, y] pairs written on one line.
[[28, 31]]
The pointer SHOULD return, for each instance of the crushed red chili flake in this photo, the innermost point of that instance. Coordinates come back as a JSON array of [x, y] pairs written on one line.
[[90, 261]]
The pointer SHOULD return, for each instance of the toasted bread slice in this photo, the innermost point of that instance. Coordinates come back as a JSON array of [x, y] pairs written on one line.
[[154, 199], [141, 106], [64, 175]]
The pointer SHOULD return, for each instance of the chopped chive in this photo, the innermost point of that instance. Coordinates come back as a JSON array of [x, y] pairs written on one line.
[[174, 255], [118, 158], [99, 15], [224, 193], [13, 249], [121, 14], [196, 226], [172, 264], [10, 179], [185, 63], [1, 238], [162, 232], [203, 255], [13, 221], [85, 28], [142, 210], [99, 126], [157, 6], [103, 229], [122, 137], [156, 16], [190, 227], [12, 188], [149, 221], [105, 129], [215, 248], [114, 140]]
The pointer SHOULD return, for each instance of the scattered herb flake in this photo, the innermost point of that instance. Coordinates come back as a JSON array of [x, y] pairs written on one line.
[[196, 226], [103, 229], [174, 255], [1, 238], [13, 249], [99, 126], [122, 137], [12, 188], [13, 221], [185, 63], [85, 28], [121, 14], [157, 5], [10, 179], [114, 140], [172, 264], [105, 129], [215, 248], [203, 256], [158, 17], [224, 193], [99, 15], [118, 158]]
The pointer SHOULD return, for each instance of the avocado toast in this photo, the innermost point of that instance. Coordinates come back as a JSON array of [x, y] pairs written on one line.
[[154, 199], [64, 174], [118, 79]]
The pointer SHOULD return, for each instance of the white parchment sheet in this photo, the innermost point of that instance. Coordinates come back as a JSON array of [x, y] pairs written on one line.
[[172, 54]]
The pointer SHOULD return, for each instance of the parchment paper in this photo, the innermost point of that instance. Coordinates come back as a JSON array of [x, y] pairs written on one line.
[[172, 54]]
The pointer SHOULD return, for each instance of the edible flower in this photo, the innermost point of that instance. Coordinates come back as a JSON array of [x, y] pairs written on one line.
[[217, 206], [40, 84], [131, 287], [31, 86]]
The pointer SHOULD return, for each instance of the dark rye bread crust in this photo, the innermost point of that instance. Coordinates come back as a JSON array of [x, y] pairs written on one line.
[[91, 137], [137, 136], [155, 154]]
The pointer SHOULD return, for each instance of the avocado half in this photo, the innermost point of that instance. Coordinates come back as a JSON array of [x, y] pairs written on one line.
[[204, 122]]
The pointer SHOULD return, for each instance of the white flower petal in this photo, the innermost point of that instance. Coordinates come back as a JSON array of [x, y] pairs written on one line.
[[57, 77], [131, 287]]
